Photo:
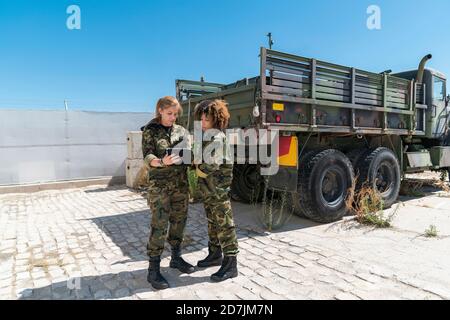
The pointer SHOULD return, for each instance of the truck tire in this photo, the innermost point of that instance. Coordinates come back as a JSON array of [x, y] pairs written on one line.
[[324, 183], [247, 184], [380, 170], [296, 199], [295, 202]]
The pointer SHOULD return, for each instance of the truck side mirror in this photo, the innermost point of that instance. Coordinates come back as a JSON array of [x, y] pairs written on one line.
[[447, 100]]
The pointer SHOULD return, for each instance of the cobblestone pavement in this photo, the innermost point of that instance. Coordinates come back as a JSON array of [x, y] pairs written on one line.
[[89, 243]]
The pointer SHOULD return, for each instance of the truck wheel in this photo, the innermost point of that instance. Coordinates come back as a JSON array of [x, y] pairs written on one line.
[[324, 183], [247, 184], [380, 170], [296, 198], [295, 201]]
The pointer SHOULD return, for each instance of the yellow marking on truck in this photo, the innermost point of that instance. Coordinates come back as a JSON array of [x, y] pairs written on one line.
[[290, 159], [278, 106]]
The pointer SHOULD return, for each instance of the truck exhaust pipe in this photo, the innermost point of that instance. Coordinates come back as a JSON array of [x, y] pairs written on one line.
[[421, 69]]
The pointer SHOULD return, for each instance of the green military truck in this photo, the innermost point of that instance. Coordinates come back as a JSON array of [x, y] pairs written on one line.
[[337, 125]]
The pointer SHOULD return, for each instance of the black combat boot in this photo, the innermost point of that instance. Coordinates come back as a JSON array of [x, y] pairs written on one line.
[[154, 275], [177, 262], [227, 270], [214, 258]]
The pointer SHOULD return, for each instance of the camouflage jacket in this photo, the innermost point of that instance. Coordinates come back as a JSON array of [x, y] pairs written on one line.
[[155, 140], [217, 165]]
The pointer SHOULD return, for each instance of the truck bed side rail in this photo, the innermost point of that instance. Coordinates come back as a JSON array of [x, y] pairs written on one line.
[[187, 89], [326, 94], [240, 96]]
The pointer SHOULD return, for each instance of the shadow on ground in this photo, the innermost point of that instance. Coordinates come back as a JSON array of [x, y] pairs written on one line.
[[130, 231], [108, 286]]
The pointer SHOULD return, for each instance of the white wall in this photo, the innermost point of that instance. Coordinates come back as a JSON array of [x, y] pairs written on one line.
[[42, 146]]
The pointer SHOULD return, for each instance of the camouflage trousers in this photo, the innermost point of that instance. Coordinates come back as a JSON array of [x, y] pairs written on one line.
[[221, 227], [169, 208]]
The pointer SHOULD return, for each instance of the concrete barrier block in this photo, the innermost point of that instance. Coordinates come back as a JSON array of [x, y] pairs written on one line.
[[134, 144], [136, 173]]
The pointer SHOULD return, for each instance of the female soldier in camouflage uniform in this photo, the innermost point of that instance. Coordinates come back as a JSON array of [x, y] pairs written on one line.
[[168, 190], [215, 176]]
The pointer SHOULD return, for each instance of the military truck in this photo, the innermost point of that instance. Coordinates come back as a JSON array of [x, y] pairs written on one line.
[[336, 125]]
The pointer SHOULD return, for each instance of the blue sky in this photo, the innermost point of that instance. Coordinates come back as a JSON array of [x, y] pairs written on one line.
[[129, 53]]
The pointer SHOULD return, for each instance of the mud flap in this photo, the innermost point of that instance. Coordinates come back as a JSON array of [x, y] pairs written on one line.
[[284, 180]]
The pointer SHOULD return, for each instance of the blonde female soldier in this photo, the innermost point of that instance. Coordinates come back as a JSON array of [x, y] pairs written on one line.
[[214, 181], [168, 192]]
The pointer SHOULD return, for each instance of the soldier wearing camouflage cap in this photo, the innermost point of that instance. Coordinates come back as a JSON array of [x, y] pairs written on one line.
[[168, 192], [215, 175]]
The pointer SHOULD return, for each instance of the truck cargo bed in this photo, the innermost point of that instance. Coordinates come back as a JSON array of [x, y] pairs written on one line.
[[300, 94]]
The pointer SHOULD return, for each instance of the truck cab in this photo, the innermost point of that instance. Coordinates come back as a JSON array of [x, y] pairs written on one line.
[[436, 99]]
